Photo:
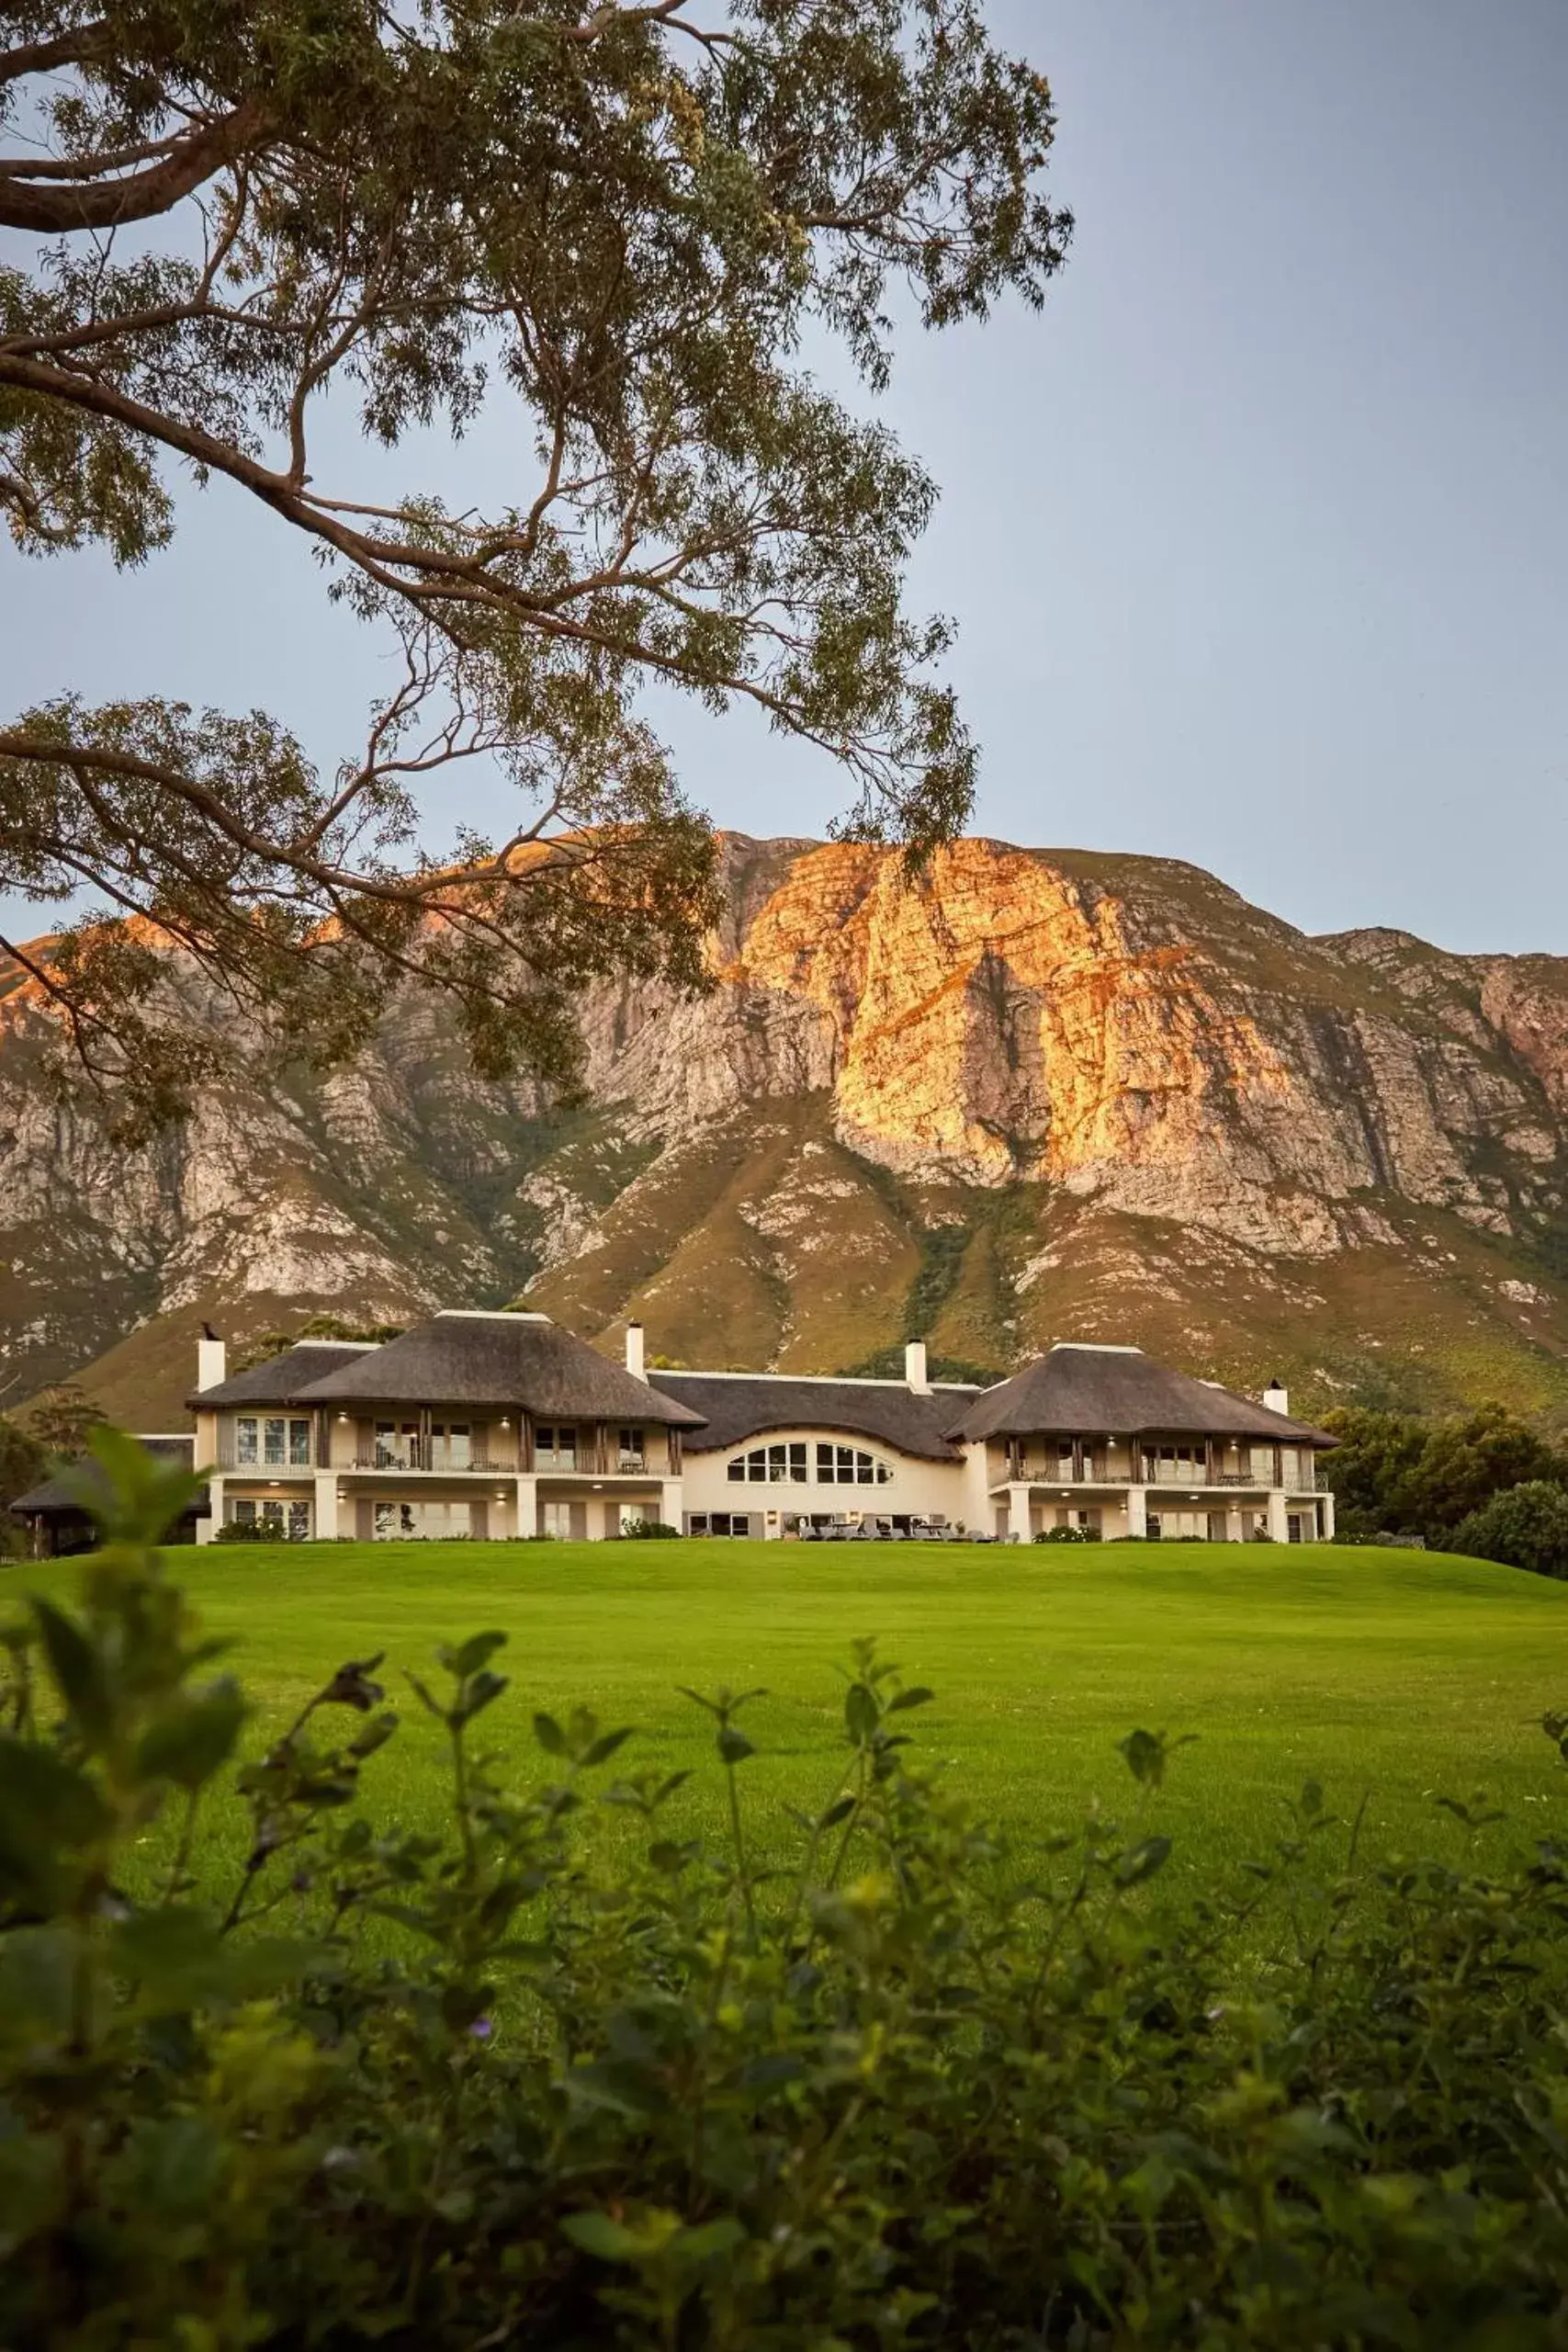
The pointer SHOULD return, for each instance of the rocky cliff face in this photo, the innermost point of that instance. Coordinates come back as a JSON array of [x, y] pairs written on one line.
[[1024, 1093]]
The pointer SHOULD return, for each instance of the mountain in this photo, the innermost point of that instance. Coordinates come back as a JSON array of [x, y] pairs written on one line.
[[1029, 1093]]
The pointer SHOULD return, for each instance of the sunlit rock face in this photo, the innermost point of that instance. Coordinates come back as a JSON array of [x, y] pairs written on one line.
[[1014, 1089]]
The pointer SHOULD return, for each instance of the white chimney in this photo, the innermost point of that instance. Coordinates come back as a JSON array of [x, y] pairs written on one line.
[[634, 1351], [915, 1368], [211, 1359], [1276, 1399]]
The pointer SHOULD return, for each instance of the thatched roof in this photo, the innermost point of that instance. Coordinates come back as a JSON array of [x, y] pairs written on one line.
[[1082, 1391], [736, 1406], [278, 1380], [54, 1494], [519, 1360]]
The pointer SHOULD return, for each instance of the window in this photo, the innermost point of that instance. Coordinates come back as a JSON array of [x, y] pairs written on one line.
[[451, 1445], [277, 1441], [632, 1455], [1177, 1465], [396, 1446], [555, 1448], [718, 1522], [555, 1518], [843, 1465], [770, 1465], [288, 1522]]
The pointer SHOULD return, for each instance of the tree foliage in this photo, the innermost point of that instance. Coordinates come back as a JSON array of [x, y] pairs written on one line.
[[1394, 1472], [22, 1460], [622, 223], [1524, 1526], [61, 1419], [268, 1344]]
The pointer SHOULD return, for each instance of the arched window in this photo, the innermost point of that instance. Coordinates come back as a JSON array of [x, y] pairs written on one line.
[[845, 1465], [770, 1465]]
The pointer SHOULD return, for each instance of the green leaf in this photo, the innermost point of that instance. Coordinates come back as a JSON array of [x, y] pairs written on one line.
[[425, 1701], [733, 1746], [477, 1651], [479, 1691], [174, 2163], [192, 1737], [603, 1747], [1142, 1861], [78, 1672], [46, 1807], [32, 2187], [918, 1696], [597, 2233], [862, 1712], [836, 1813], [374, 1735], [709, 2239], [549, 1734]]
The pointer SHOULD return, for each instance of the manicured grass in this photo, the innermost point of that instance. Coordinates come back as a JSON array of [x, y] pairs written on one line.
[[1403, 1674]]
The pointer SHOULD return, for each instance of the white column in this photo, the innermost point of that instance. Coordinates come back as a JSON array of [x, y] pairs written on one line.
[[1279, 1525], [326, 1506], [527, 1505], [1138, 1511], [977, 1514], [206, 1528], [1325, 1510], [1017, 1514], [671, 1502]]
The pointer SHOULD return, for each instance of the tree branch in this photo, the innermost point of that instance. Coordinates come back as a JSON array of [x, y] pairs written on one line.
[[50, 210]]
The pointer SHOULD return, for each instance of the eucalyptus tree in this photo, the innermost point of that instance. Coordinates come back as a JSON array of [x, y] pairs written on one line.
[[626, 223]]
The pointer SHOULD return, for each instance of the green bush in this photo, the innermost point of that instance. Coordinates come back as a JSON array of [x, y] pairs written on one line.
[[248, 1531], [1525, 1528], [1066, 1535], [648, 1530], [893, 2083]]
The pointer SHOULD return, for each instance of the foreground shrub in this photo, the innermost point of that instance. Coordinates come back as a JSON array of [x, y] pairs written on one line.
[[900, 2085], [648, 1530], [1525, 1528], [1066, 1535]]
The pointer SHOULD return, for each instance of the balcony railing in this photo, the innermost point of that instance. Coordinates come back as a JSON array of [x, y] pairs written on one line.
[[229, 1460], [428, 1465]]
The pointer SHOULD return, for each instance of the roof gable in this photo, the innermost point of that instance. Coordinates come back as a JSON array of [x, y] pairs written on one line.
[[56, 1493], [503, 1359], [1082, 1391]]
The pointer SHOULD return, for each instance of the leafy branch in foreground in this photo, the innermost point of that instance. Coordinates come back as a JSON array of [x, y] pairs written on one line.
[[619, 225]]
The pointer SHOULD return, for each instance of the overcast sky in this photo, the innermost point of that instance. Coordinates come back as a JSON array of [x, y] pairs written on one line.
[[1257, 535]]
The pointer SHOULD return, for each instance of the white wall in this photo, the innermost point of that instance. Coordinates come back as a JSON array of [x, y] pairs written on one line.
[[917, 1488]]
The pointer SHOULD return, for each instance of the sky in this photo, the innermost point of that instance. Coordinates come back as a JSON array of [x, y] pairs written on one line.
[[1256, 537]]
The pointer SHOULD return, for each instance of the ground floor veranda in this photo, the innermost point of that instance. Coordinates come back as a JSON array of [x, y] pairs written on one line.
[[1218, 1514], [398, 1506]]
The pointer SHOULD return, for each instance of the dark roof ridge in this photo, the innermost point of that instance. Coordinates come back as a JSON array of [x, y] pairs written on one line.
[[739, 1407], [824, 1379]]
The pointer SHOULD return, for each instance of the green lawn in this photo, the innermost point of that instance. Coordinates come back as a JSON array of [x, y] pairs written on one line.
[[1401, 1673]]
